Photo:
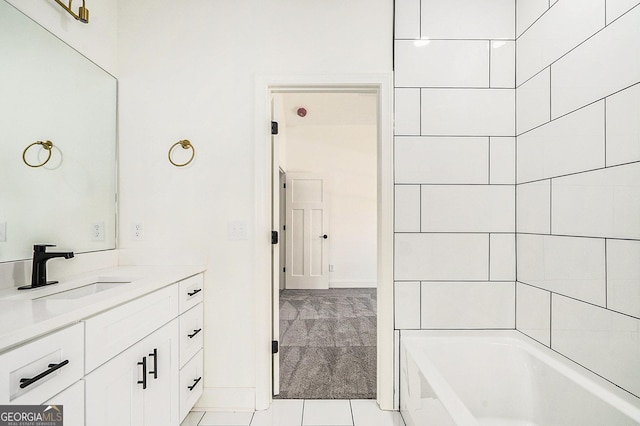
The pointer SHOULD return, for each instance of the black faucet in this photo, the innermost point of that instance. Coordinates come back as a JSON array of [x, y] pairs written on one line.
[[39, 270]]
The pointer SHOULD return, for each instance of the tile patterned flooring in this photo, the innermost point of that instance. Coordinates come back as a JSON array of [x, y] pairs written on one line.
[[303, 412]]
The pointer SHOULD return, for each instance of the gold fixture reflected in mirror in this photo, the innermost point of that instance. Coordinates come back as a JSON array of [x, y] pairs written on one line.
[[45, 145], [83, 12], [185, 144]]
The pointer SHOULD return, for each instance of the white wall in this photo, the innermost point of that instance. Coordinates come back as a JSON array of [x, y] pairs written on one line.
[[578, 181], [454, 164], [199, 85], [346, 156]]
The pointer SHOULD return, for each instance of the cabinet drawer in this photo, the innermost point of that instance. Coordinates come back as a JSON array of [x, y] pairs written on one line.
[[111, 332], [191, 291], [191, 385], [191, 332], [53, 363]]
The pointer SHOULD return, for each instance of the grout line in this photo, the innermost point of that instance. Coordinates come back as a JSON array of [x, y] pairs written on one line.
[[605, 132], [458, 184], [550, 316], [353, 421], [489, 265], [489, 85], [573, 173], [420, 295], [419, 18], [557, 235], [489, 157], [606, 277], [550, 206], [420, 112], [580, 300], [550, 94], [420, 208]]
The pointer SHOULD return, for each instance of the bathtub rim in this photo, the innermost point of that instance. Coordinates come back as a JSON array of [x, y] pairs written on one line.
[[415, 340]]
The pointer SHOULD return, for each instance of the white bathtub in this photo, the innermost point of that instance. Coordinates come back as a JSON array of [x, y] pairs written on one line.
[[502, 378]]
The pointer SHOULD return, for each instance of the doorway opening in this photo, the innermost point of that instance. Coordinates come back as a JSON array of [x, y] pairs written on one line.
[[327, 148], [268, 276]]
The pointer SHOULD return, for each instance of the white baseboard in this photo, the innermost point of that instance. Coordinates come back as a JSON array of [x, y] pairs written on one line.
[[352, 284], [227, 399]]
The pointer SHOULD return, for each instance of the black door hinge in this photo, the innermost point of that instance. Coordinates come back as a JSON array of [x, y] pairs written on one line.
[[274, 346], [274, 127], [284, 185], [284, 227], [274, 237], [284, 269]]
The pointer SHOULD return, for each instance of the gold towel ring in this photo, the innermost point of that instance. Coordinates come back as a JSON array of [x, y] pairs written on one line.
[[185, 144], [45, 145]]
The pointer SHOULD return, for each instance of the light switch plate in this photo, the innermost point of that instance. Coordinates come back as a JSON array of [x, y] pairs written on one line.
[[237, 230]]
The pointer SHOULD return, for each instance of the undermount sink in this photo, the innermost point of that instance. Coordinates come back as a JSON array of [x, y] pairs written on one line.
[[83, 291]]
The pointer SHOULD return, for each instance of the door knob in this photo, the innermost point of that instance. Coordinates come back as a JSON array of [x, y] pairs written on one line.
[[324, 236]]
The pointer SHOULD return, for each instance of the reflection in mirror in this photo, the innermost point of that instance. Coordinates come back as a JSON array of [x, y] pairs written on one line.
[[50, 92]]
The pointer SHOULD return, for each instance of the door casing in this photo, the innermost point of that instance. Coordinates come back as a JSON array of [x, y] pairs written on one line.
[[265, 86]]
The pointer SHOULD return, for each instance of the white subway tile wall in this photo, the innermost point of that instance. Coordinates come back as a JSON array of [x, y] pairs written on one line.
[[441, 160], [533, 106], [455, 164], [578, 182], [559, 30], [533, 312], [468, 305], [502, 160], [554, 179], [533, 203], [570, 144], [599, 67], [468, 112]]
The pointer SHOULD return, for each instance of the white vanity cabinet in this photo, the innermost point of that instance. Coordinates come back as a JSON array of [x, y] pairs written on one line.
[[134, 367], [139, 386], [135, 361]]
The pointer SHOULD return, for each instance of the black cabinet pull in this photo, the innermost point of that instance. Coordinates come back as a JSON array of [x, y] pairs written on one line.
[[195, 383], [191, 336], [143, 382], [194, 292], [52, 367], [155, 363]]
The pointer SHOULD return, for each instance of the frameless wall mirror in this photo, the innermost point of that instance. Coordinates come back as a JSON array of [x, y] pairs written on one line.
[[50, 92]]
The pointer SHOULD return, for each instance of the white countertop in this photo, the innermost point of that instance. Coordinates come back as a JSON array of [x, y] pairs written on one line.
[[22, 318]]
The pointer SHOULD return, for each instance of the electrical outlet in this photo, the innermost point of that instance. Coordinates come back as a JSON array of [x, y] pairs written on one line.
[[331, 269], [137, 231], [3, 231], [97, 231]]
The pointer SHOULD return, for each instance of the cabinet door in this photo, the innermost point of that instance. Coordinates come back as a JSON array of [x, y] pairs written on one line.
[[160, 400], [139, 386], [72, 401], [113, 395]]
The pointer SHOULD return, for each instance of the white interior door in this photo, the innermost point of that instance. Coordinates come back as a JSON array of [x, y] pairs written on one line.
[[275, 250], [307, 262]]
